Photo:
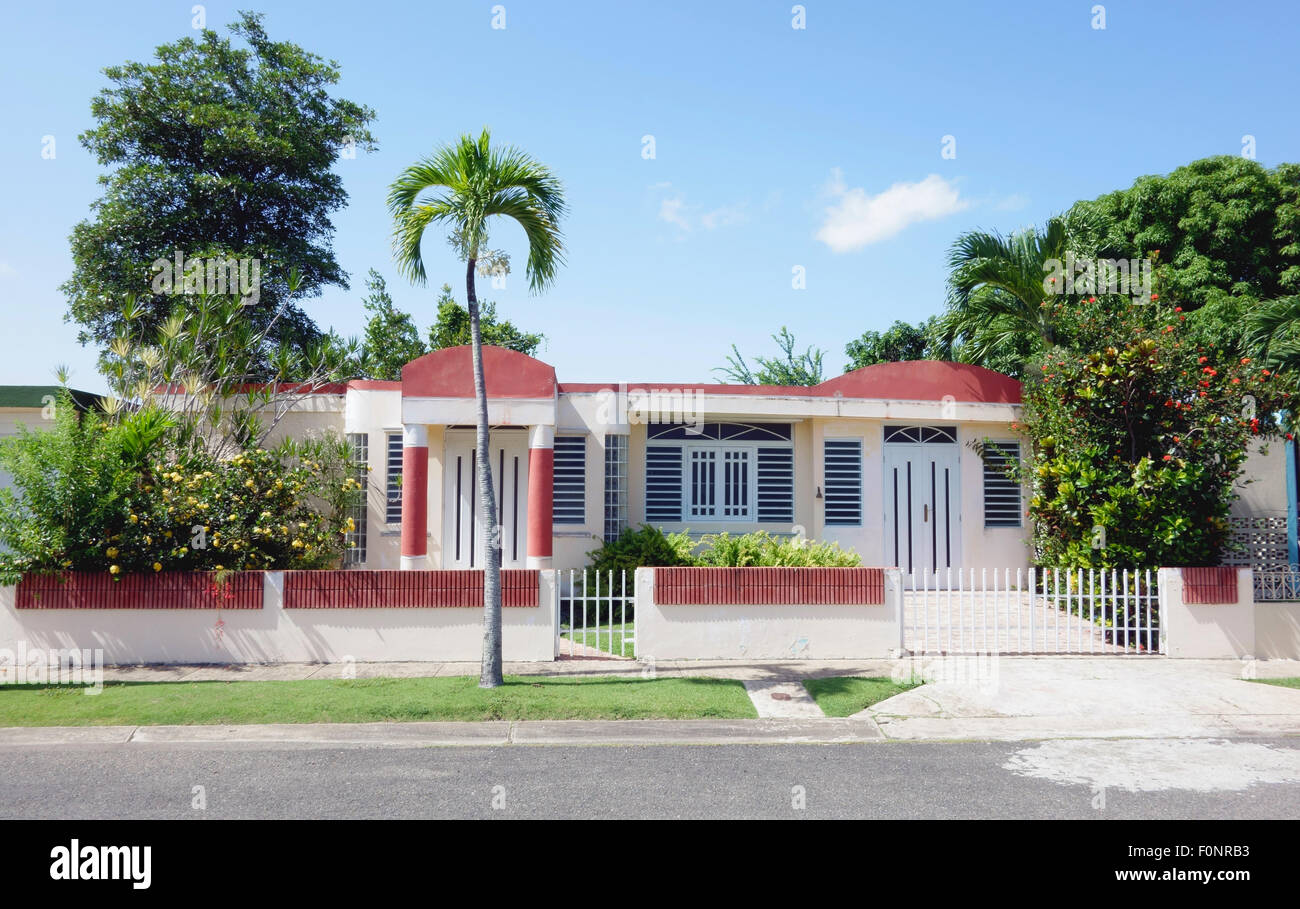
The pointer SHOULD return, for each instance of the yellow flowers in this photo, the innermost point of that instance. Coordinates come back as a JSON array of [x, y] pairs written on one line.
[[297, 544], [111, 552], [134, 519], [114, 569], [157, 566], [249, 483]]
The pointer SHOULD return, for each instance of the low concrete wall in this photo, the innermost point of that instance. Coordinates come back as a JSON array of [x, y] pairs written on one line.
[[791, 631], [1207, 631], [275, 634], [1277, 631]]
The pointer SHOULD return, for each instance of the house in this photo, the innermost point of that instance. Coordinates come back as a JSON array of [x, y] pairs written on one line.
[[884, 460]]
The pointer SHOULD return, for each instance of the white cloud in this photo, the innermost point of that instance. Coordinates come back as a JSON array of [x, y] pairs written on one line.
[[675, 210], [671, 210], [858, 219]]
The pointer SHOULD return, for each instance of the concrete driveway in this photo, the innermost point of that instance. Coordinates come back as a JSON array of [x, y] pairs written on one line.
[[1012, 698]]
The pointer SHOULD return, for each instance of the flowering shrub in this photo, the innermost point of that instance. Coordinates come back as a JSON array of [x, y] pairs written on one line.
[[1137, 442], [115, 494]]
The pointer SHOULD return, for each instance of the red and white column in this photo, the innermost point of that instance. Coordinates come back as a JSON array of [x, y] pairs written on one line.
[[415, 497], [541, 483]]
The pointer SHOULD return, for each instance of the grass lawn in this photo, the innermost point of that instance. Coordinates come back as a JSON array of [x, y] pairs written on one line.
[[1285, 683], [610, 639], [846, 695], [373, 700]]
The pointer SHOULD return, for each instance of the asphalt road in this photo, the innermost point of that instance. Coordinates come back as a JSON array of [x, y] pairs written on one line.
[[887, 780]]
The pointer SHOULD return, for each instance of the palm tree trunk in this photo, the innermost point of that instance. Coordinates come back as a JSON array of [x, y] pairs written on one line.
[[490, 673]]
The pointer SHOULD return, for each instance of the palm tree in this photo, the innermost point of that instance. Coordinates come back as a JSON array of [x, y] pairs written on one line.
[[995, 292], [462, 186], [1273, 333]]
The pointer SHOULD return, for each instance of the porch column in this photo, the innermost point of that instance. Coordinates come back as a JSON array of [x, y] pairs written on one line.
[[541, 478], [415, 497]]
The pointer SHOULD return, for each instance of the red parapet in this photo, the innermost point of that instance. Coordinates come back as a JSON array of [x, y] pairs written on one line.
[[449, 589], [165, 590], [1209, 586], [769, 586]]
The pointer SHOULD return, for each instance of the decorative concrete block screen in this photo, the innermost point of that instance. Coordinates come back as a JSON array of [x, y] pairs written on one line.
[[404, 589], [168, 590], [1209, 586], [769, 586]]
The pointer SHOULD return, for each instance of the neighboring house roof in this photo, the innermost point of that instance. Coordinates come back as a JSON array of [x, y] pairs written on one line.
[[34, 396]]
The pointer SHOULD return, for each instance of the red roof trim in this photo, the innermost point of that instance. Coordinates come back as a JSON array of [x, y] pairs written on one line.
[[374, 385], [915, 380]]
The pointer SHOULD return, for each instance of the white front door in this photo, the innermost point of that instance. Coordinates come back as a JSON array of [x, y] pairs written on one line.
[[462, 535], [922, 501]]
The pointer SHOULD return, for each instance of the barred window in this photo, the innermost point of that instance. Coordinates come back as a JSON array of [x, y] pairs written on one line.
[[355, 539], [569, 495], [1002, 495], [615, 486], [393, 508]]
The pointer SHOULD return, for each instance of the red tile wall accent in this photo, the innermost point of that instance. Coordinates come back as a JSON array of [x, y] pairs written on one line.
[[769, 586], [1209, 586], [167, 590], [404, 589]]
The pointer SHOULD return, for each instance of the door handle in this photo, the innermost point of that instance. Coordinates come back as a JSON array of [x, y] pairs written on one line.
[[925, 515]]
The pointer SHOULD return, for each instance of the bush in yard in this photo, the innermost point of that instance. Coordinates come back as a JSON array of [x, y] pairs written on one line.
[[763, 550], [118, 493], [1139, 439]]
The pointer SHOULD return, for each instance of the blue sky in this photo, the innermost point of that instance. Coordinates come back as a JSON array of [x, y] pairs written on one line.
[[775, 147]]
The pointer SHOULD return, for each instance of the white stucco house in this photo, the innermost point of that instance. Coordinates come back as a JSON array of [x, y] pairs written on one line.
[[880, 460]]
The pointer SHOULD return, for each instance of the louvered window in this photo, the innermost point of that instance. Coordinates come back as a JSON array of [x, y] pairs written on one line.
[[776, 484], [569, 500], [842, 459], [1002, 501], [663, 483]]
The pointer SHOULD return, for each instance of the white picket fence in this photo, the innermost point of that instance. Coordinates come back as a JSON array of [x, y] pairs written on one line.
[[595, 615], [1032, 610]]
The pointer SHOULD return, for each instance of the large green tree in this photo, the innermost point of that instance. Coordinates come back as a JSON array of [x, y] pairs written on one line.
[[466, 187], [217, 152], [1226, 233], [901, 341]]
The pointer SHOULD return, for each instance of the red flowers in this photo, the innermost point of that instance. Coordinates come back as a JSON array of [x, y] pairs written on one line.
[[1155, 296]]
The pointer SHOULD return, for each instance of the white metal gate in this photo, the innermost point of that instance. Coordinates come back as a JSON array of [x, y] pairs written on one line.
[[595, 615], [1034, 610]]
